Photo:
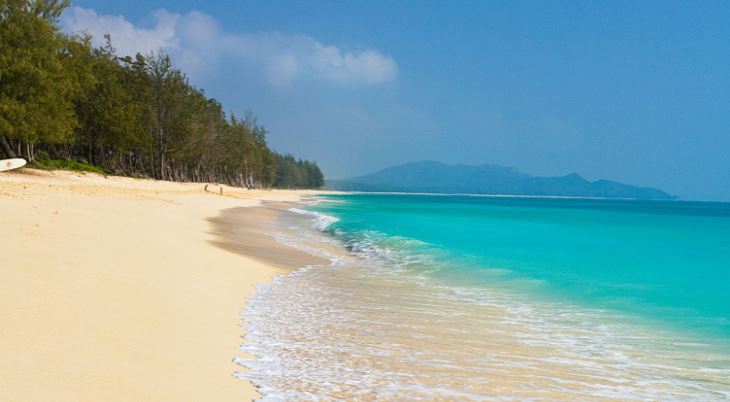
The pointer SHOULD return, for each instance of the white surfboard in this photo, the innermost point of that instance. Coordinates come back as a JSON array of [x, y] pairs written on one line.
[[9, 164]]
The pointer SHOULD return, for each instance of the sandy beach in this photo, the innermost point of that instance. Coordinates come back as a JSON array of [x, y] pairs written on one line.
[[128, 289]]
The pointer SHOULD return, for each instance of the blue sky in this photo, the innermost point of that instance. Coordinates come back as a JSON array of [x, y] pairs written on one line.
[[637, 92]]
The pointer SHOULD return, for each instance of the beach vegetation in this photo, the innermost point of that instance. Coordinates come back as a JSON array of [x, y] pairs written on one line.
[[86, 108], [55, 164]]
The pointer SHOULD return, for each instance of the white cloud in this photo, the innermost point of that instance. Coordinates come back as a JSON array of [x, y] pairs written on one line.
[[127, 38], [197, 43]]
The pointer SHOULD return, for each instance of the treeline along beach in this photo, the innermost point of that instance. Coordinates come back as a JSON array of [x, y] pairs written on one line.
[[63, 101]]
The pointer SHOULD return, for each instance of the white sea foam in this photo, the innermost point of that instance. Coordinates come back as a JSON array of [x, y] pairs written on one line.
[[375, 324], [321, 221]]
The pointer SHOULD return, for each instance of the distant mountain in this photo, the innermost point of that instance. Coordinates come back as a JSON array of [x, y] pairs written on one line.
[[436, 177]]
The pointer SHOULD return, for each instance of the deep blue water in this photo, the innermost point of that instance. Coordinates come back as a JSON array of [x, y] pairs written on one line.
[[666, 263]]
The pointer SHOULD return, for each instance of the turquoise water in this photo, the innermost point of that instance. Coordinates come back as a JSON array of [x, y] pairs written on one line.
[[486, 298], [664, 262]]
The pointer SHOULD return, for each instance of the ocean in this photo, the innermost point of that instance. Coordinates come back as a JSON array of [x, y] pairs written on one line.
[[496, 298]]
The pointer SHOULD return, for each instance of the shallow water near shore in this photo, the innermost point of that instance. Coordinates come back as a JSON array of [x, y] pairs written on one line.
[[496, 298]]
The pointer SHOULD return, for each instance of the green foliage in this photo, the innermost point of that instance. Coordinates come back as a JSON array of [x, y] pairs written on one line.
[[67, 104], [35, 89], [68, 165], [292, 173]]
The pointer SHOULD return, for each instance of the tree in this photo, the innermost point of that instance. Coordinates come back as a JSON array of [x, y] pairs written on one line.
[[35, 89], [131, 115], [109, 118]]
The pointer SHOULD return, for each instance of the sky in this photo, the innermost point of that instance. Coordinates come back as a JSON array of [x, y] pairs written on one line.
[[637, 92]]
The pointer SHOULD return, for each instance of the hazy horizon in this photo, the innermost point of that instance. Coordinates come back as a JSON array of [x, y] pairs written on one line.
[[634, 93], [469, 164]]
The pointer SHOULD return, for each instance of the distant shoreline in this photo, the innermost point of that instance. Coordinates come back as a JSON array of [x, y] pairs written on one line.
[[515, 196], [486, 179]]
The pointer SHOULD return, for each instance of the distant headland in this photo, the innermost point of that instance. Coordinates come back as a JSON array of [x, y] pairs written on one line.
[[437, 177]]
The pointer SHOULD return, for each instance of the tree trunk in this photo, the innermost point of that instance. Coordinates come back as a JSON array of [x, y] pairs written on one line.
[[162, 166], [7, 150]]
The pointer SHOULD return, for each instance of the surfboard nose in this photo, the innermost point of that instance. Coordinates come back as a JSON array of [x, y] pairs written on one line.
[[9, 164]]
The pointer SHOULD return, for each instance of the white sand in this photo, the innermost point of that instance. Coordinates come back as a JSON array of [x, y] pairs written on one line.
[[115, 289]]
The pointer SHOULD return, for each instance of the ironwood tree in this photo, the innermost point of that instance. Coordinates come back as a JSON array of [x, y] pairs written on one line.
[[63, 98]]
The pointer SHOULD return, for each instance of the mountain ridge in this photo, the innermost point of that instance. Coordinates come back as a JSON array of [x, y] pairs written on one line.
[[488, 179]]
